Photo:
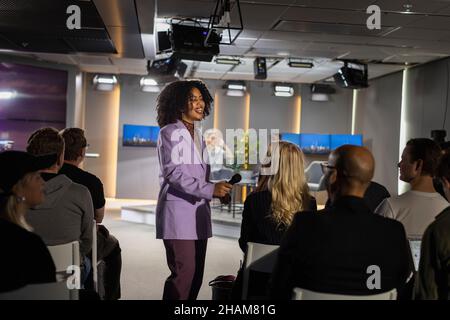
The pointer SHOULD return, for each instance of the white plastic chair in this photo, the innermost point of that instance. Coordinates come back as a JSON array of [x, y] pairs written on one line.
[[44, 291], [65, 255], [259, 257], [303, 294]]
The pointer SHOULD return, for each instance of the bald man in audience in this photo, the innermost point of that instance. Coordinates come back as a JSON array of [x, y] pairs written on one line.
[[345, 248]]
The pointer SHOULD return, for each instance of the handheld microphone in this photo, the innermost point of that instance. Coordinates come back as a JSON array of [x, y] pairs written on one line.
[[235, 179]]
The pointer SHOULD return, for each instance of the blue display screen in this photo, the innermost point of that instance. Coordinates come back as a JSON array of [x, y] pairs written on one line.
[[291, 137], [140, 136], [315, 143], [338, 140]]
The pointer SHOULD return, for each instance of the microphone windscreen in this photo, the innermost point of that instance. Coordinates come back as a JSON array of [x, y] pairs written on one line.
[[235, 179]]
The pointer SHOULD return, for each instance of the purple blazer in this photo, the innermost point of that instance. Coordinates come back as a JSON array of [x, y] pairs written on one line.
[[183, 210]]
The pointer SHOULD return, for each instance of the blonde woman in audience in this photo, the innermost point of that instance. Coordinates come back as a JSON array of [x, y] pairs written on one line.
[[268, 213], [25, 258]]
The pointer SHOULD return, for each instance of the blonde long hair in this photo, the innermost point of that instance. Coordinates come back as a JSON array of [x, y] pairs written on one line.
[[12, 208], [288, 186]]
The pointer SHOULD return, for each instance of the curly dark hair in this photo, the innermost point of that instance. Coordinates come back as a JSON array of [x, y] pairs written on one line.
[[174, 99]]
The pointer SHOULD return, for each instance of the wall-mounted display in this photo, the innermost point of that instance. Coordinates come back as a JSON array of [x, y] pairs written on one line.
[[315, 143], [140, 136]]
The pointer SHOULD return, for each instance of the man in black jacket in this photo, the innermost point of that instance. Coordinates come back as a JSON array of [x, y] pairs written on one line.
[[344, 249], [433, 281]]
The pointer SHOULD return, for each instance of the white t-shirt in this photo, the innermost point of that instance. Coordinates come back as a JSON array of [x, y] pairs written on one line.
[[414, 209]]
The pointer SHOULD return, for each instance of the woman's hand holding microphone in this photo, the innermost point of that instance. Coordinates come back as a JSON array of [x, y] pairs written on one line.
[[222, 189]]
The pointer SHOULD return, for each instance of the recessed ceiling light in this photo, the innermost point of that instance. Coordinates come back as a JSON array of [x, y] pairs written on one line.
[[147, 81], [235, 85], [230, 61], [294, 63], [105, 79], [283, 90]]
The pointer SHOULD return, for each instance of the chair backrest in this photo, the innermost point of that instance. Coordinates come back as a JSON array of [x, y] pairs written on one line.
[[415, 243], [65, 255], [314, 172], [42, 291], [303, 294], [94, 257], [259, 257]]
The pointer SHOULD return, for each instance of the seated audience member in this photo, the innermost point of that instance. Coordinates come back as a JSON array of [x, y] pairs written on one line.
[[332, 250], [108, 246], [67, 213], [374, 195], [417, 208], [433, 280], [268, 213], [25, 258], [445, 148]]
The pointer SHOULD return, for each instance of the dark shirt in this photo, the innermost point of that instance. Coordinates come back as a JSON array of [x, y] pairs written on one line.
[[331, 250], [373, 196], [88, 180], [257, 223], [25, 258], [190, 127], [434, 270]]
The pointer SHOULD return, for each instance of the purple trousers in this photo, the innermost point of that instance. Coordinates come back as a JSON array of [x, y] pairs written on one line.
[[186, 261]]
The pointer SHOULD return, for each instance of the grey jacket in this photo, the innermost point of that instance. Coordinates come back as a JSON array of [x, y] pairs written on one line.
[[66, 215]]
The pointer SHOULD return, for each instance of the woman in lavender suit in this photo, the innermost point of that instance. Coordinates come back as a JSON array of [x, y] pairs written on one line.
[[183, 214]]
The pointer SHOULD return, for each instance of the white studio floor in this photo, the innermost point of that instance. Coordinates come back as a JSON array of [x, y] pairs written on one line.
[[144, 267]]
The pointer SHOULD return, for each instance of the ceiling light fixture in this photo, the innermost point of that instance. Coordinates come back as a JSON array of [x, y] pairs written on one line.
[[147, 81], [105, 79], [235, 88], [149, 84], [104, 82], [283, 90], [229, 61], [298, 63]]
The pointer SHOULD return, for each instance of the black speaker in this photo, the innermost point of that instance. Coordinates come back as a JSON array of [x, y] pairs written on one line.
[[260, 68], [438, 135], [322, 88], [352, 77]]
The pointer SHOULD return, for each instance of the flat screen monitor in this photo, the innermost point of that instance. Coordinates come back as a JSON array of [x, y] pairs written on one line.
[[291, 137], [338, 140], [312, 143], [140, 136]]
